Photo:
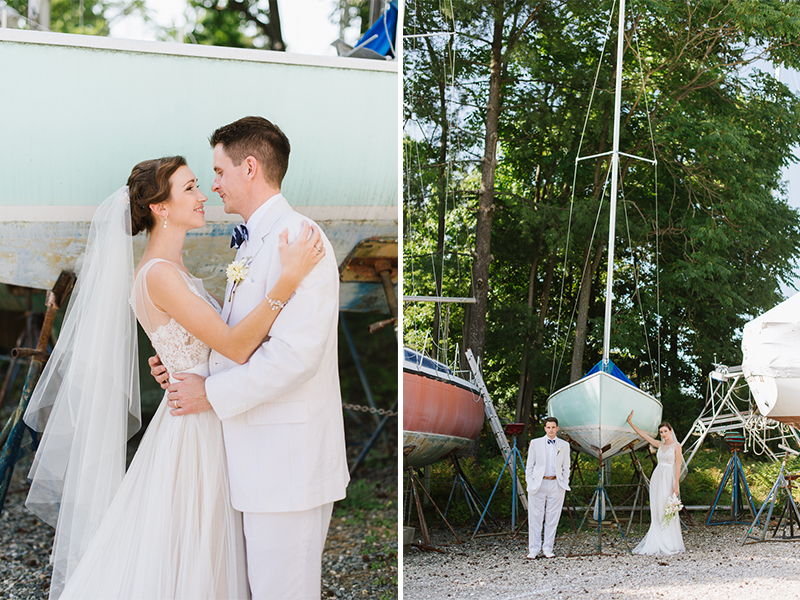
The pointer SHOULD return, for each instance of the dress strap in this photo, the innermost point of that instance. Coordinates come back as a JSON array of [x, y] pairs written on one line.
[[148, 314]]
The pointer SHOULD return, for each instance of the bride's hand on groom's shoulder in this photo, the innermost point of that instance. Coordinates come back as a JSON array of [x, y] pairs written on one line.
[[301, 256], [158, 371]]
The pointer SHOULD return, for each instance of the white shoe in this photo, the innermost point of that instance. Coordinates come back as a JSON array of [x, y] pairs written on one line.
[[549, 554], [533, 556]]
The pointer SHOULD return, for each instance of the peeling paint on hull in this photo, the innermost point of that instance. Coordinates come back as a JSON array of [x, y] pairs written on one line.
[[431, 447], [33, 254]]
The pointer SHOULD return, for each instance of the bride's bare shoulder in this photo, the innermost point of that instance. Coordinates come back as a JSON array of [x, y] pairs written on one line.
[[164, 275]]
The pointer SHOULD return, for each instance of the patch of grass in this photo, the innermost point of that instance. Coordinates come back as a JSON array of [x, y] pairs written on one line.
[[362, 496]]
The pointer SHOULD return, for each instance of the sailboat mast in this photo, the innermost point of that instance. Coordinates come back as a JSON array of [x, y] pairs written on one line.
[[614, 184]]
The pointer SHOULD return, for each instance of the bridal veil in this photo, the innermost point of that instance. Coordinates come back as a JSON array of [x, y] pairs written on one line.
[[87, 400]]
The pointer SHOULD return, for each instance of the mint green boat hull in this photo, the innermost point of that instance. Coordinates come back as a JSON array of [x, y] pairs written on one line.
[[86, 109], [592, 414]]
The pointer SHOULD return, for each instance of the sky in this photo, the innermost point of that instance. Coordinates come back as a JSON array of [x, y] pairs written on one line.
[[306, 24], [791, 174]]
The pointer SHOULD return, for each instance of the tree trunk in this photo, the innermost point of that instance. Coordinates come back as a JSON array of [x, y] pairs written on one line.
[[274, 27], [441, 205], [530, 379], [582, 324], [483, 230], [523, 371]]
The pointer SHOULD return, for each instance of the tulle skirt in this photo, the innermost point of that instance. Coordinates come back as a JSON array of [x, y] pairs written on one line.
[[660, 541], [170, 532]]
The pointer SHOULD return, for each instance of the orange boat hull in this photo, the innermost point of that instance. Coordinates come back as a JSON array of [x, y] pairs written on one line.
[[440, 418]]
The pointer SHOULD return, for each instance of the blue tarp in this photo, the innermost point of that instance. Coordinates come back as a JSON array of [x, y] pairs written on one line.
[[386, 29], [612, 370]]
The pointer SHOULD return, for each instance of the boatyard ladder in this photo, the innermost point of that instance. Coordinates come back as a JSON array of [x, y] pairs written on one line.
[[494, 422]]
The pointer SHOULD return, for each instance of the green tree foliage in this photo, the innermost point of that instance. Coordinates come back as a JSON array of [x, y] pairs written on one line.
[[238, 23], [257, 23], [703, 241], [90, 17]]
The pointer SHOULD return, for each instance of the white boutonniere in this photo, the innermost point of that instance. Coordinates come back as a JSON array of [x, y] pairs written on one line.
[[236, 273], [558, 451]]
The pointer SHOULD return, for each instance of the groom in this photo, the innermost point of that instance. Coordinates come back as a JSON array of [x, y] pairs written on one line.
[[547, 475], [281, 411]]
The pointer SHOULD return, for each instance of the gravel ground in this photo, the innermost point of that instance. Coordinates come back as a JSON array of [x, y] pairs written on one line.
[[360, 559], [715, 566]]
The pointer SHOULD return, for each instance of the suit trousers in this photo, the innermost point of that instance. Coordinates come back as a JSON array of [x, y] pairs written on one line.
[[284, 553], [545, 505]]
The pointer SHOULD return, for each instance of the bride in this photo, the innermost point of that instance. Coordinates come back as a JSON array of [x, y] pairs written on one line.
[[664, 482], [166, 528]]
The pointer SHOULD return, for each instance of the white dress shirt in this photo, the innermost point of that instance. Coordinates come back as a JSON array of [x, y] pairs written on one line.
[[550, 465]]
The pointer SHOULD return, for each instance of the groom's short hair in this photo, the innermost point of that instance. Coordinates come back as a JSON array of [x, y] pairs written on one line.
[[259, 138], [551, 420]]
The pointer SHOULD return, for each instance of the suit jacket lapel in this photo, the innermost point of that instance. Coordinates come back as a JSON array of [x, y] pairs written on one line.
[[256, 242]]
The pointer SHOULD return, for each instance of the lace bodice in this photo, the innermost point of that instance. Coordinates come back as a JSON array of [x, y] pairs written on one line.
[[666, 454], [177, 348]]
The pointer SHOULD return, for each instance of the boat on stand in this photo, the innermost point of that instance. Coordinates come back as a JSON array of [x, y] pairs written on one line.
[[771, 361], [592, 411], [442, 412]]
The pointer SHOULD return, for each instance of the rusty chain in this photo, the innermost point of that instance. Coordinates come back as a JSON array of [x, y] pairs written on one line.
[[378, 411]]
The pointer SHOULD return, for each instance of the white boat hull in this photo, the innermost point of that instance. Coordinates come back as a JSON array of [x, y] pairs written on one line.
[[777, 398], [771, 361], [592, 414]]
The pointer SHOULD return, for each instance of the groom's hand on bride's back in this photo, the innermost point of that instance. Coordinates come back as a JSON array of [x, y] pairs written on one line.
[[187, 395], [158, 371]]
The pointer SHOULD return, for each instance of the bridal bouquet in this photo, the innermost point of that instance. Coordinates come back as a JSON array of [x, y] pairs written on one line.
[[671, 510]]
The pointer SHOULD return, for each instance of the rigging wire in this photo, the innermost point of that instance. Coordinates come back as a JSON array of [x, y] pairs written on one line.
[[585, 266], [637, 279], [415, 164], [553, 371], [655, 196], [559, 360]]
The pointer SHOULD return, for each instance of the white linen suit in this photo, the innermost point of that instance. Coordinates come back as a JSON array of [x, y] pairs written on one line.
[[545, 497], [281, 411]]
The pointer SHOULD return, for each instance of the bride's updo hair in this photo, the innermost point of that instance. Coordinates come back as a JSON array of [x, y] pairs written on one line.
[[665, 424], [149, 184]]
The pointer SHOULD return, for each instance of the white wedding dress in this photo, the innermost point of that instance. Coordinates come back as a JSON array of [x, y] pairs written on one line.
[[668, 540], [170, 531]]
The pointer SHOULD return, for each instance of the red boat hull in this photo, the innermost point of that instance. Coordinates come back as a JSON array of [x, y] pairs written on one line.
[[440, 417]]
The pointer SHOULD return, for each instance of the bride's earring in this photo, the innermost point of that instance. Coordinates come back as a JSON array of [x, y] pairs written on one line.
[[165, 221]]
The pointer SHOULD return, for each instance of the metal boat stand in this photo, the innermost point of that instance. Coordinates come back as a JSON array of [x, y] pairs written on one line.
[[27, 338], [472, 497], [642, 486], [15, 427], [600, 501], [739, 485], [790, 516], [373, 260], [414, 485], [512, 430]]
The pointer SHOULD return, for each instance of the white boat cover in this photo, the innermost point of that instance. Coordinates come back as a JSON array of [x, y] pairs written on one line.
[[771, 360]]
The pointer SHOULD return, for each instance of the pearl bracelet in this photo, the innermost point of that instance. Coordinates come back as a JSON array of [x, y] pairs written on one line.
[[276, 304]]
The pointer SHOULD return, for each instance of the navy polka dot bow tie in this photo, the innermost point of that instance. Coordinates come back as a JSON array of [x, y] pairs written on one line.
[[239, 236]]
